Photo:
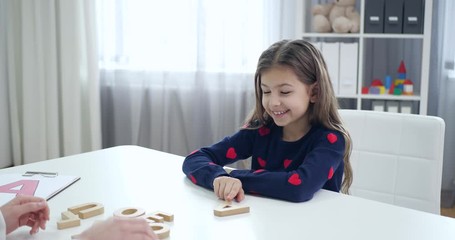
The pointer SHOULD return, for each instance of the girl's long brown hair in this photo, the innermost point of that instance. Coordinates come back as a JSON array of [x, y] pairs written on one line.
[[309, 65]]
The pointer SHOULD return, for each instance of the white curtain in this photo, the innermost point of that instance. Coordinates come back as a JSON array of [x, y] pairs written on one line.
[[177, 75], [5, 144], [442, 86], [49, 103]]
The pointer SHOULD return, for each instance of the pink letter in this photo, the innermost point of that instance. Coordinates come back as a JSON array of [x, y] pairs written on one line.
[[28, 187]]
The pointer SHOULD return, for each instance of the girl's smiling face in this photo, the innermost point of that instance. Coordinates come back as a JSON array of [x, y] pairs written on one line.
[[286, 99]]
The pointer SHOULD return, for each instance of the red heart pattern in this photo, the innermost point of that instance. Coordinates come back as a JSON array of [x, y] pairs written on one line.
[[332, 138], [286, 163], [193, 179], [264, 131], [331, 171], [259, 171], [231, 154], [261, 162], [294, 179]]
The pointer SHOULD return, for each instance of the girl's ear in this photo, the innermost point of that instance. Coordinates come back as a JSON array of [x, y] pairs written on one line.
[[314, 92]]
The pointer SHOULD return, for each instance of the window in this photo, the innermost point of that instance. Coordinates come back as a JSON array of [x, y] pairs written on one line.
[[182, 35]]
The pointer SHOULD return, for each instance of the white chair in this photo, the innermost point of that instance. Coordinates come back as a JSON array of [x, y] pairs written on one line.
[[397, 158]]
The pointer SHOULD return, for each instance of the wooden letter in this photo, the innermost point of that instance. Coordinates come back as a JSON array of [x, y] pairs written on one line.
[[159, 217], [155, 221], [160, 229], [69, 219], [153, 218], [166, 216], [129, 212], [87, 210], [227, 209]]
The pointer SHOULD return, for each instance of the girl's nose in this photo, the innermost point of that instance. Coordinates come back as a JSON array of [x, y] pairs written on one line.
[[275, 100]]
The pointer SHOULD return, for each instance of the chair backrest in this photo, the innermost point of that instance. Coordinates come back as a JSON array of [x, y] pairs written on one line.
[[397, 158]]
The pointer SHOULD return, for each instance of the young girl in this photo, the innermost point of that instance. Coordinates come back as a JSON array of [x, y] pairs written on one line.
[[294, 135]]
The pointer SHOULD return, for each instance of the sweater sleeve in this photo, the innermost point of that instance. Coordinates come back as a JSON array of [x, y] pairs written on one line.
[[319, 166], [204, 165]]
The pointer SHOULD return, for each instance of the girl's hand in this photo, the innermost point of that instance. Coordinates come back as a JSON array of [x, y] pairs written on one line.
[[228, 188]]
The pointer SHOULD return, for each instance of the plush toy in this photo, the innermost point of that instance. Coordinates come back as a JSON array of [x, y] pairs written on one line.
[[339, 16]]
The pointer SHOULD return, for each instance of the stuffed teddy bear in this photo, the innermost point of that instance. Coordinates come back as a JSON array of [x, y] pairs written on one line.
[[339, 16]]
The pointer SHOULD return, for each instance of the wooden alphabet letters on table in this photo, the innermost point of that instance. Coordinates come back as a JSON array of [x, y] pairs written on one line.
[[228, 209], [129, 212], [155, 220], [72, 217], [87, 210], [69, 219]]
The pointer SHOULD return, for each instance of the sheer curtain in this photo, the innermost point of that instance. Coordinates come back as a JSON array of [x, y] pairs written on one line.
[[177, 75], [442, 88], [5, 144], [49, 94]]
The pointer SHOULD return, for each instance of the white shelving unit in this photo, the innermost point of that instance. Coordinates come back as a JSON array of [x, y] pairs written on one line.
[[420, 97]]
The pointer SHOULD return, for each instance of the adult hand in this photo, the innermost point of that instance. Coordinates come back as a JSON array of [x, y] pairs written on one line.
[[25, 211], [116, 228], [228, 188]]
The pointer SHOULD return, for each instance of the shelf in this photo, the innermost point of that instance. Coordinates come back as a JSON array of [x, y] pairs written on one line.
[[331, 35], [379, 55], [391, 97], [382, 97], [361, 35], [392, 36], [347, 96]]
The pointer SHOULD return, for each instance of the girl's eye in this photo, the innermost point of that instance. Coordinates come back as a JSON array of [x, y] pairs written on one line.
[[285, 93], [265, 92]]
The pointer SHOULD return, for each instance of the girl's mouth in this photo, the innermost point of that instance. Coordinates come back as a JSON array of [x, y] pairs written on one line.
[[280, 113]]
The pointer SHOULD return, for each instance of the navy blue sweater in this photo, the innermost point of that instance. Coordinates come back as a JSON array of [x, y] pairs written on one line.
[[291, 171]]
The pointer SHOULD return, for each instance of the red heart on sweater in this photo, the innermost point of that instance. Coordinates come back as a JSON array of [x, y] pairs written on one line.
[[261, 162], [259, 171], [263, 131], [286, 163], [193, 179], [331, 171], [332, 137], [231, 154], [295, 179]]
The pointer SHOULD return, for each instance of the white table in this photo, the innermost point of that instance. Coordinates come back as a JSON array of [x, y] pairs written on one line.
[[131, 176]]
